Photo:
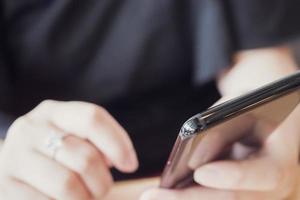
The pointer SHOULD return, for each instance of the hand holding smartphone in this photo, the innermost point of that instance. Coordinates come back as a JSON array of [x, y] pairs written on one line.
[[215, 133]]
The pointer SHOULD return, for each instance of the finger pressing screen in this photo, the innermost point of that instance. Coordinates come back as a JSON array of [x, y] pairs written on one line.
[[259, 174]]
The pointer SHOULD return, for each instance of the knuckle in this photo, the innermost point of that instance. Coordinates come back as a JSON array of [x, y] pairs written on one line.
[[94, 111], [93, 114], [104, 189], [42, 108], [45, 104], [69, 182], [19, 125], [89, 160]]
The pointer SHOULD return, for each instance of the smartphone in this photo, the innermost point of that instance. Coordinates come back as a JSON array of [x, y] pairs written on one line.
[[213, 134]]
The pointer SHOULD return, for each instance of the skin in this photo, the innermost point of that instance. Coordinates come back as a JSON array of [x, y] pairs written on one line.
[[96, 142], [80, 170], [272, 172]]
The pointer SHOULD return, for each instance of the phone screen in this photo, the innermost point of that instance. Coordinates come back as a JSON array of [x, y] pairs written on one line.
[[245, 133]]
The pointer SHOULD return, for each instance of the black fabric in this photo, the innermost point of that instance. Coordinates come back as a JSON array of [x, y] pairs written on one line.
[[259, 23], [147, 61], [6, 86]]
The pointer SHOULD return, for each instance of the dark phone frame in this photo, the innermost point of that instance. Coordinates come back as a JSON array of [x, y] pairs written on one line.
[[221, 113]]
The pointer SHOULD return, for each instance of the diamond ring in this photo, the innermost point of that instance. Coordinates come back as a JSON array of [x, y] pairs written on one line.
[[54, 142]]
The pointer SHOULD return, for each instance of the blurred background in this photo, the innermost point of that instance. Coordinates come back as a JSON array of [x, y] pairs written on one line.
[[296, 47]]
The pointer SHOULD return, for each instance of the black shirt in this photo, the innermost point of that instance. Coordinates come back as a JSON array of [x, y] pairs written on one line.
[[147, 61]]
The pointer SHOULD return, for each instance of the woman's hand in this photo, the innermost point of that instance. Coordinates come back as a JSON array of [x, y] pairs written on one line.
[[272, 172], [78, 168]]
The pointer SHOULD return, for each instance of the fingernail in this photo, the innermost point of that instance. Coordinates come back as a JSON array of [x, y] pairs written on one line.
[[131, 162], [206, 175], [212, 176]]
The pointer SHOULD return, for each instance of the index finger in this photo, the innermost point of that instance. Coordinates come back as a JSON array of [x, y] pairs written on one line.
[[256, 175], [95, 124]]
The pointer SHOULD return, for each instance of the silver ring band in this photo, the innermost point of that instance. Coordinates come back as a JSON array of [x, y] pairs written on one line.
[[53, 143]]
